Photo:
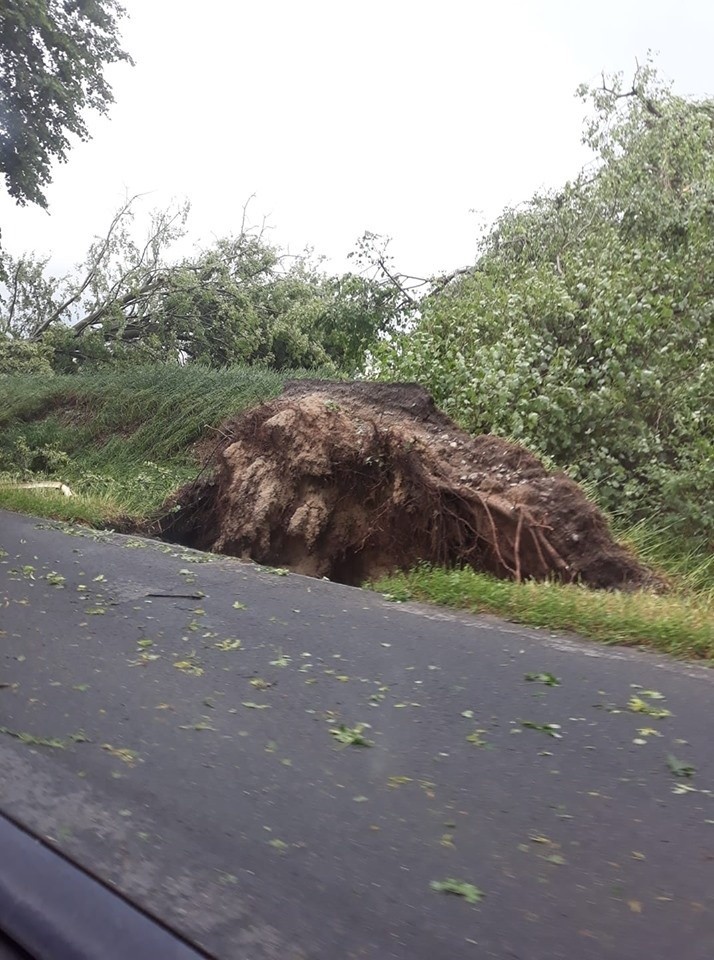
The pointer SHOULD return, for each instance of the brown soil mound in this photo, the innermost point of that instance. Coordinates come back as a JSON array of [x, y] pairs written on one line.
[[352, 480]]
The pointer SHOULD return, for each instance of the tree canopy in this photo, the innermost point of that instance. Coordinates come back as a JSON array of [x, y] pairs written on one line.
[[240, 300], [52, 59], [585, 329]]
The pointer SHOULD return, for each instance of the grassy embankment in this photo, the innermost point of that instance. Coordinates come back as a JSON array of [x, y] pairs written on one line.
[[123, 440]]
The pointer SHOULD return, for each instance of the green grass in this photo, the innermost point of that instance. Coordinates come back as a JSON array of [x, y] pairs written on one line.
[[680, 623], [687, 564], [96, 511], [121, 439]]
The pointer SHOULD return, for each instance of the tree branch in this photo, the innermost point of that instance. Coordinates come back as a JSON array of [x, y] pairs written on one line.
[[91, 274], [637, 92]]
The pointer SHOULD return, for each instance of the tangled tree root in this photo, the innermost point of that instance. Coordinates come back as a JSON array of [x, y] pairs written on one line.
[[352, 480]]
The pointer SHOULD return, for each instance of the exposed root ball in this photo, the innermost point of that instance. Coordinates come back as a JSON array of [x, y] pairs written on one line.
[[353, 480]]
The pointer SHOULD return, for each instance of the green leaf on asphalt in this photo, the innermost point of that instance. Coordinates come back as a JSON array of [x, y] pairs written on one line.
[[227, 645], [477, 738], [468, 891], [32, 740], [547, 678], [551, 729], [282, 661], [678, 768], [637, 705], [351, 735], [189, 666], [122, 753]]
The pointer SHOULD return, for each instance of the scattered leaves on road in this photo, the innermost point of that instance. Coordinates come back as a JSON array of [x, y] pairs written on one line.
[[228, 644], [282, 661], [648, 732], [680, 788], [398, 781], [32, 740], [189, 666], [477, 738], [638, 705]]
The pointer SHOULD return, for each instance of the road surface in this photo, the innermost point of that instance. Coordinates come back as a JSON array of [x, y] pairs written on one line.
[[180, 725]]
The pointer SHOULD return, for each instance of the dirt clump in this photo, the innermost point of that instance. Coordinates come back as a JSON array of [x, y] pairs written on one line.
[[350, 481]]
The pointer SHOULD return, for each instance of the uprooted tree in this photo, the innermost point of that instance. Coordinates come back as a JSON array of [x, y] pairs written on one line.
[[354, 480]]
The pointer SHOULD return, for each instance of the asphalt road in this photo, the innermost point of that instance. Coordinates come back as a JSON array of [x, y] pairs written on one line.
[[170, 723]]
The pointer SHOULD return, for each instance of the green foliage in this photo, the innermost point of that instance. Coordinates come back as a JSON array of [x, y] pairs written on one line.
[[52, 57], [23, 459], [585, 329], [239, 301], [21, 357]]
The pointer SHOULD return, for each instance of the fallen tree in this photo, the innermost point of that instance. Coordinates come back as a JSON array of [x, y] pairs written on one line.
[[352, 480]]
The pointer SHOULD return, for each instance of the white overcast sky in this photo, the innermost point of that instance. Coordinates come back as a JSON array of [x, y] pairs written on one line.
[[399, 116]]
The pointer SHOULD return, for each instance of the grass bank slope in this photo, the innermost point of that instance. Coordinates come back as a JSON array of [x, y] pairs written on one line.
[[121, 439]]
